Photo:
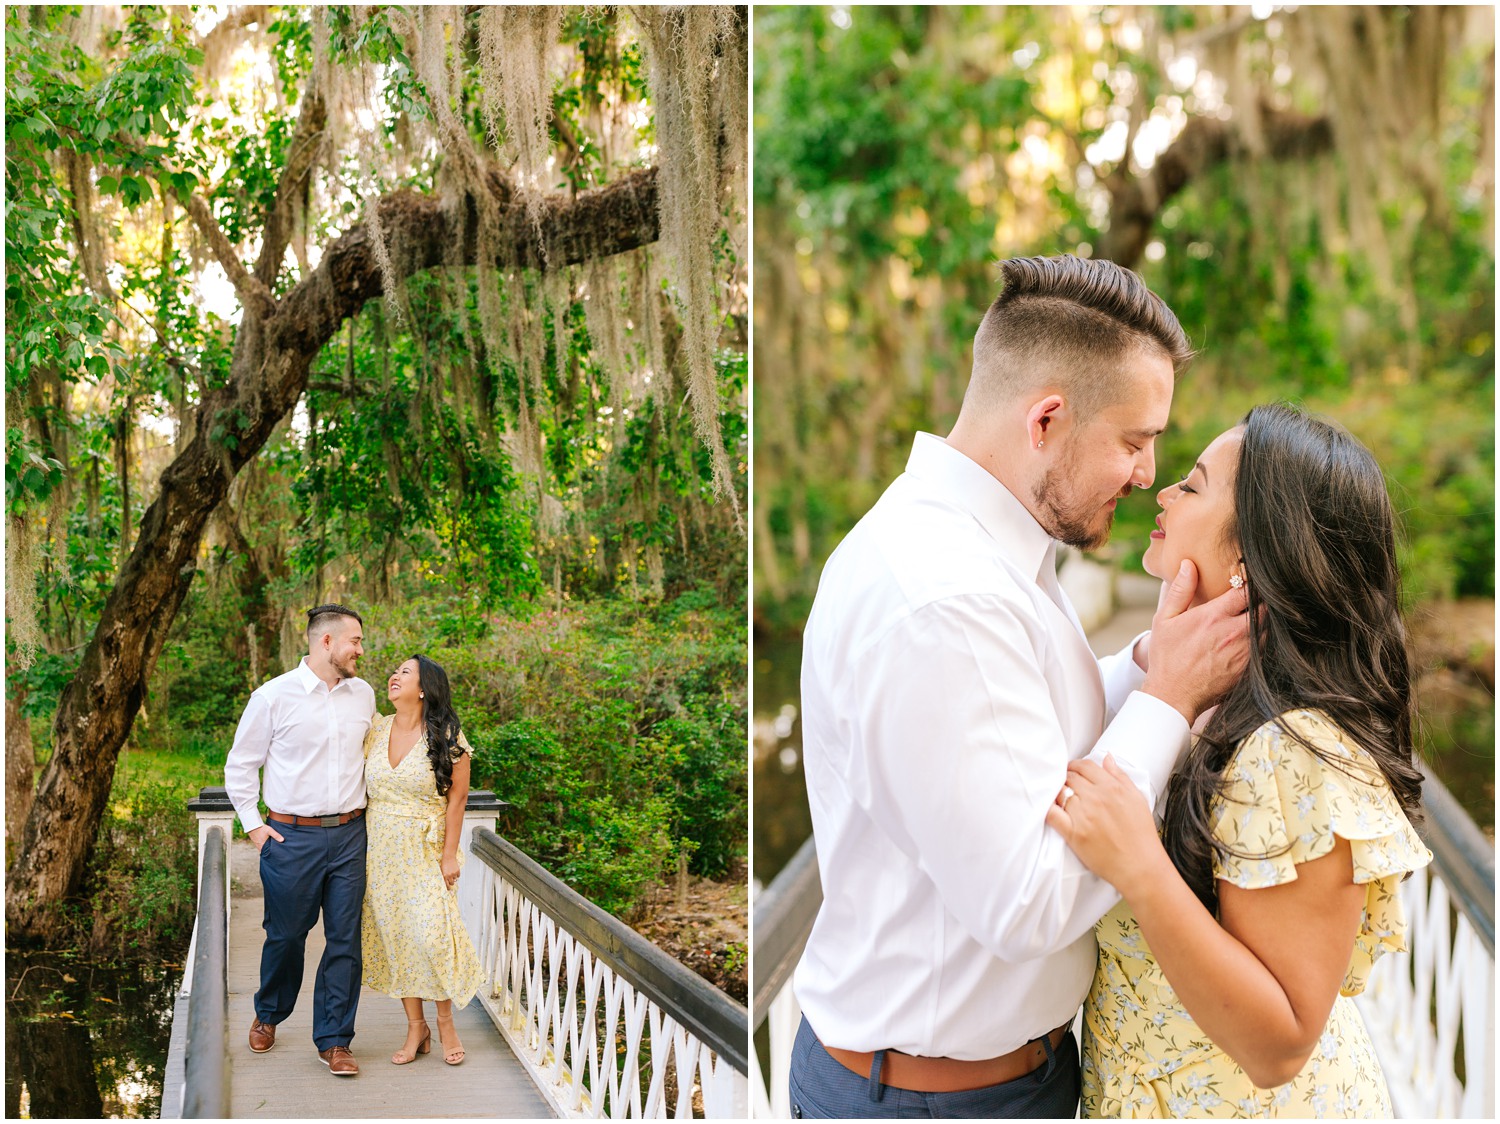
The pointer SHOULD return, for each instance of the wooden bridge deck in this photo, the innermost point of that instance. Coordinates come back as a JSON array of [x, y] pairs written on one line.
[[290, 1081]]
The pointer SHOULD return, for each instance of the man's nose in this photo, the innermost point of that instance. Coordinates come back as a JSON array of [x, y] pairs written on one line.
[[1145, 471]]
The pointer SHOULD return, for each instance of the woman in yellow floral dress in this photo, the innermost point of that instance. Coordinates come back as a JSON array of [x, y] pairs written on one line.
[[1225, 973], [417, 776]]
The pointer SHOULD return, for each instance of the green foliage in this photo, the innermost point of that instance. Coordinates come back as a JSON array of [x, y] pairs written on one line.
[[899, 151], [139, 890], [615, 730]]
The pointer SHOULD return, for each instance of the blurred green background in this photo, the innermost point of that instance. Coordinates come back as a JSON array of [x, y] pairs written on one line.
[[1311, 190]]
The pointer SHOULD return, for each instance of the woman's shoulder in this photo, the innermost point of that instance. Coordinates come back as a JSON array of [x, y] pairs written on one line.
[[1306, 739], [1294, 784]]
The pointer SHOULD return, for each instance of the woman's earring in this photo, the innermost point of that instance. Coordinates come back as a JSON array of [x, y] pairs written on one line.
[[1236, 581], [1038, 444]]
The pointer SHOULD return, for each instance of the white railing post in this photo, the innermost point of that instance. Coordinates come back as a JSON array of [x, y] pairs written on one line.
[[212, 808], [482, 809]]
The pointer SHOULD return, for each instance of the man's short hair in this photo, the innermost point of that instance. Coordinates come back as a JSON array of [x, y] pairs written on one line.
[[321, 616], [1068, 321]]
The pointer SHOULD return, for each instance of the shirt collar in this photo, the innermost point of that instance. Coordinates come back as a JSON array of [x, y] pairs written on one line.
[[308, 677], [967, 484]]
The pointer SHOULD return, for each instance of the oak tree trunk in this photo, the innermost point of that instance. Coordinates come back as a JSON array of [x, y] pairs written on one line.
[[20, 762]]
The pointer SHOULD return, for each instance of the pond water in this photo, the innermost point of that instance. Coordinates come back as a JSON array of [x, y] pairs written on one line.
[[85, 1040], [781, 819]]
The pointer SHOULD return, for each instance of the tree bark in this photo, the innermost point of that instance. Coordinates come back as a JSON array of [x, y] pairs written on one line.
[[274, 348], [20, 762]]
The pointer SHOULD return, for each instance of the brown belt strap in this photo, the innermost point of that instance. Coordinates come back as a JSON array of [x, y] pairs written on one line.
[[316, 821], [949, 1075]]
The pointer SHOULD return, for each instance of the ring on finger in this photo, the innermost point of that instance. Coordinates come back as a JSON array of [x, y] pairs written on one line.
[[1067, 794]]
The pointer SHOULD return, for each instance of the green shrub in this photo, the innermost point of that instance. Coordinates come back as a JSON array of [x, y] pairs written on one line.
[[141, 880]]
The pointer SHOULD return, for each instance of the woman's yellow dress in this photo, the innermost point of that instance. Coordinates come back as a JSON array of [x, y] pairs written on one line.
[[415, 943], [1142, 1054]]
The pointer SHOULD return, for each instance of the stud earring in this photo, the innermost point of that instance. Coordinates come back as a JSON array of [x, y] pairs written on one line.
[[1038, 444], [1236, 581]]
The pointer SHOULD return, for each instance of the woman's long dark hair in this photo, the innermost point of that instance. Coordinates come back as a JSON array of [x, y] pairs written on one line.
[[1314, 526], [439, 719]]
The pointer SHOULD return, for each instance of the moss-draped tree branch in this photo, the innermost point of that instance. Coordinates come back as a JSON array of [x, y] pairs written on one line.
[[1136, 200]]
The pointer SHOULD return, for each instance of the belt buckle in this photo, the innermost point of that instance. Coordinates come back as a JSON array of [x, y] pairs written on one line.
[[328, 821]]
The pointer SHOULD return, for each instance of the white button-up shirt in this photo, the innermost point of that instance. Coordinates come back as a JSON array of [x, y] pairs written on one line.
[[309, 740], [946, 684]]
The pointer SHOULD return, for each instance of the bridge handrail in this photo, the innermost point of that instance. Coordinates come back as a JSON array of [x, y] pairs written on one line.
[[715, 1018], [207, 1067], [1464, 858], [783, 919], [553, 956]]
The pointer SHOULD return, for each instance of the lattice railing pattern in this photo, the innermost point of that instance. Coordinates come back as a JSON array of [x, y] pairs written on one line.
[[596, 1045], [1432, 1011]]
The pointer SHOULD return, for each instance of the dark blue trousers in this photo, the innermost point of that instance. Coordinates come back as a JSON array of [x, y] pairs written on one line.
[[317, 869], [822, 1087]]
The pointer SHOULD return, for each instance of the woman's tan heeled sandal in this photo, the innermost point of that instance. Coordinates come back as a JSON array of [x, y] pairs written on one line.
[[401, 1057], [453, 1055]]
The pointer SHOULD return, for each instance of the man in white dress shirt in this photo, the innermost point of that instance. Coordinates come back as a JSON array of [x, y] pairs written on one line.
[[946, 684], [306, 730]]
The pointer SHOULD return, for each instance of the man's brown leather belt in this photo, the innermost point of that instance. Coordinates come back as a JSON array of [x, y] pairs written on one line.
[[316, 821], [949, 1075]]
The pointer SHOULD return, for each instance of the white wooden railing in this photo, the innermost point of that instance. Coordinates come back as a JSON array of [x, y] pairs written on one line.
[[1430, 1011], [607, 1023], [1431, 1015]]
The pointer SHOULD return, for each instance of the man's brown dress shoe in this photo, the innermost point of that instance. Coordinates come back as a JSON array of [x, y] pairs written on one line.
[[262, 1037], [339, 1060]]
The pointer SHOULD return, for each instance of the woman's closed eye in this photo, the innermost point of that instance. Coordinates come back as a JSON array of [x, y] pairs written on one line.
[[1182, 485]]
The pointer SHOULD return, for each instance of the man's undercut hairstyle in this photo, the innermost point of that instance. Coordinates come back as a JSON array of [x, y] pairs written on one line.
[[1068, 322], [323, 616]]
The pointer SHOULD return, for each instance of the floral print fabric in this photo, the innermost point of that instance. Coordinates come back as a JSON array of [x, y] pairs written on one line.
[[415, 943], [1143, 1056]]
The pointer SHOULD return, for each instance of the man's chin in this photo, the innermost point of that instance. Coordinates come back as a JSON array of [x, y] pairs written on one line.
[[1084, 537]]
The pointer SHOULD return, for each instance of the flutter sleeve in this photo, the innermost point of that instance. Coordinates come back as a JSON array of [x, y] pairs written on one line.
[[462, 747], [1283, 805], [372, 735]]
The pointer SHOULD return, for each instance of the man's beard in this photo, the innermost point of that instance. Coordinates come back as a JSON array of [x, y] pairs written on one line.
[[1075, 525], [346, 668]]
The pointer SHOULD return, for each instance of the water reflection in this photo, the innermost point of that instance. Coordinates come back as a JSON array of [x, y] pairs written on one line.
[[781, 819], [85, 1040]]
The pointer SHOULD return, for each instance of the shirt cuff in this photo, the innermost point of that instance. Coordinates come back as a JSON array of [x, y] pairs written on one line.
[[249, 818], [1146, 738]]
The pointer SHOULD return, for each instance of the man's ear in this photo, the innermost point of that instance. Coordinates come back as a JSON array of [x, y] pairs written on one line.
[[1041, 415]]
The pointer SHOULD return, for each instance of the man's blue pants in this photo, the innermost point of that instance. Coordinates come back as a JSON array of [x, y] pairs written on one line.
[[317, 869]]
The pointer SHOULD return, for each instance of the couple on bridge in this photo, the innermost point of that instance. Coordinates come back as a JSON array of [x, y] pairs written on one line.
[[982, 788], [365, 816]]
